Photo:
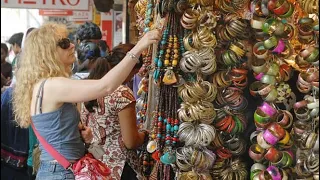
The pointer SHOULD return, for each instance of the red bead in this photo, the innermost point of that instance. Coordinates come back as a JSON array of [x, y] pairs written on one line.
[[145, 163], [176, 121], [168, 138], [159, 124], [175, 139]]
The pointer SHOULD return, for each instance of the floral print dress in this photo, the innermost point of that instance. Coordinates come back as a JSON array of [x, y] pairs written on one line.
[[105, 126]]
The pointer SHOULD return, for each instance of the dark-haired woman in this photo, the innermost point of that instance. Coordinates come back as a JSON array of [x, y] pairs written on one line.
[[113, 119]]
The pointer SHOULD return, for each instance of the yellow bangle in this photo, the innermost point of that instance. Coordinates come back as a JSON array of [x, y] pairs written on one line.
[[286, 139]]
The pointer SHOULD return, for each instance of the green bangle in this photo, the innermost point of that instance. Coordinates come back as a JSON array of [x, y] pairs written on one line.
[[254, 173], [267, 79], [261, 119], [283, 161], [273, 69], [289, 13], [305, 21], [226, 59], [267, 24], [313, 56], [289, 161], [271, 42], [232, 56]]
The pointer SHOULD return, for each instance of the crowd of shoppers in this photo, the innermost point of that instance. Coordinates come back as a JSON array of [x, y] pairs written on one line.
[[45, 94]]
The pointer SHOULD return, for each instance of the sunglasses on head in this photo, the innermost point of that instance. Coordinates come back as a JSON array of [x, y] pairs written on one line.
[[64, 43]]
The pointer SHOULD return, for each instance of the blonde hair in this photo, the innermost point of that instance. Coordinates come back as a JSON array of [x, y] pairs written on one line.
[[39, 60]]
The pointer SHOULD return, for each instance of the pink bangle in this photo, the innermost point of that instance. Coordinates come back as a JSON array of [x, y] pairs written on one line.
[[270, 138], [300, 104], [267, 109], [280, 47], [259, 76], [274, 172]]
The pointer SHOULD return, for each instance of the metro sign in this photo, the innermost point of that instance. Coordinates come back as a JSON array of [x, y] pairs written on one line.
[[46, 4]]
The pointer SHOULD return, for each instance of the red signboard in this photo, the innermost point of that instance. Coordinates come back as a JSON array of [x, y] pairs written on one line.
[[46, 4], [106, 26], [55, 12]]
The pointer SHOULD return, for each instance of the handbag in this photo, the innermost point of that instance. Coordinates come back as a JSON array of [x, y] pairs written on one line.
[[86, 168], [96, 150]]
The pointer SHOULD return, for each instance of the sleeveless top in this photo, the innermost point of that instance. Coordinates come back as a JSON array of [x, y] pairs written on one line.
[[60, 129]]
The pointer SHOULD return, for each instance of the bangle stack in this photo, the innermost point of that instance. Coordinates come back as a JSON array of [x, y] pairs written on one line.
[[199, 77]]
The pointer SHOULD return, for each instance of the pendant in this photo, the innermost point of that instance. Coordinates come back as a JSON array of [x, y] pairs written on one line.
[[168, 158], [169, 77], [152, 146], [155, 155]]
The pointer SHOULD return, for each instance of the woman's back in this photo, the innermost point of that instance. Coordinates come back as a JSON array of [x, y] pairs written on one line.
[[60, 129]]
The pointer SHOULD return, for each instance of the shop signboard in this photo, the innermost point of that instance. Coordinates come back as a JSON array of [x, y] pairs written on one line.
[[81, 15], [107, 27], [45, 12], [46, 4]]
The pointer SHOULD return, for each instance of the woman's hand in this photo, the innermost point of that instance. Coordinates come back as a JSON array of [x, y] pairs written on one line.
[[149, 38], [86, 134]]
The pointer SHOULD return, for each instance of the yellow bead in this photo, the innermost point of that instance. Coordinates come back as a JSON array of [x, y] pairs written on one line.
[[176, 51], [174, 63], [166, 62], [176, 56], [167, 56], [168, 51]]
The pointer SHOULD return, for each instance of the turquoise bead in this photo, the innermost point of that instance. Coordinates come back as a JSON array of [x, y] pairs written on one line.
[[163, 42], [159, 118], [159, 63], [149, 6], [159, 135], [165, 120], [168, 127], [155, 74], [172, 129], [176, 128], [161, 52], [146, 29], [168, 141], [149, 11], [156, 60]]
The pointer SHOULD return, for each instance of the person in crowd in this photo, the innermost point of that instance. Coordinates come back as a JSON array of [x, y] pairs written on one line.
[[104, 48], [23, 135], [14, 142], [113, 119], [15, 41], [6, 68], [3, 83], [87, 53], [47, 96], [87, 32]]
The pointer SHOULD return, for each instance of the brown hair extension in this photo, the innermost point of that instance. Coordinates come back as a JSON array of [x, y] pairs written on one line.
[[102, 67]]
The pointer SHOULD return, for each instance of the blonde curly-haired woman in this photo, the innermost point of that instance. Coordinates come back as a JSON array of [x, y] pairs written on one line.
[[45, 94]]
